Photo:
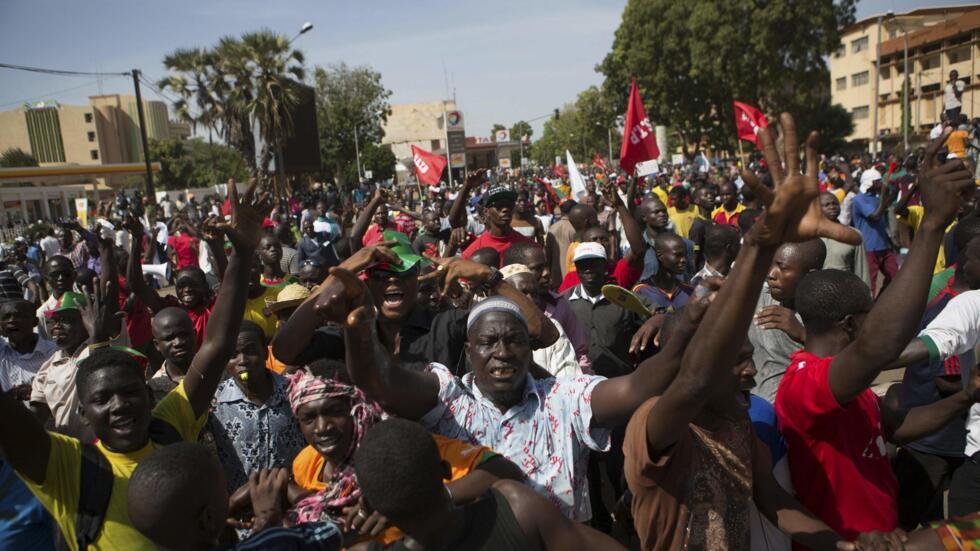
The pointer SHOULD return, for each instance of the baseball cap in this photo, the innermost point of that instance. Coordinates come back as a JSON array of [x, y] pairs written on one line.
[[585, 251], [403, 248], [68, 301], [499, 194], [291, 295]]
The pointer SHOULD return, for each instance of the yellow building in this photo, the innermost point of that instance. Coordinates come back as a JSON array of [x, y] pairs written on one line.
[[418, 124], [939, 40]]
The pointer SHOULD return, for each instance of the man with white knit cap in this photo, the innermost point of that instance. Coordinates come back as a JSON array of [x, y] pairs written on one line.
[[870, 217]]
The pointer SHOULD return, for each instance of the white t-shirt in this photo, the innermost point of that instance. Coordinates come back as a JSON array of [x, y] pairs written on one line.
[[956, 332], [51, 246], [950, 101]]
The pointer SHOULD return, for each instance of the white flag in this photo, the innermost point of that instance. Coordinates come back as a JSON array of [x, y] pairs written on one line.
[[575, 179]]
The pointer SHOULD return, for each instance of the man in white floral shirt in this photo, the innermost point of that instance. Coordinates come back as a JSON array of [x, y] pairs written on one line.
[[545, 425]]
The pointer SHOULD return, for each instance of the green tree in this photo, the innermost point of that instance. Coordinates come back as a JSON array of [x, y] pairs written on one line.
[[521, 129], [17, 157], [379, 159], [583, 129], [348, 98], [691, 59], [493, 130], [194, 163]]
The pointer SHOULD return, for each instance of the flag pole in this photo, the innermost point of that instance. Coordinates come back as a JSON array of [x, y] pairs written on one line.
[[741, 153]]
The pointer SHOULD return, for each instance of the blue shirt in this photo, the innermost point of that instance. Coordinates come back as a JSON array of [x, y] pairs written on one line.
[[250, 437], [658, 299], [919, 389], [24, 523], [763, 416], [650, 263], [875, 233]]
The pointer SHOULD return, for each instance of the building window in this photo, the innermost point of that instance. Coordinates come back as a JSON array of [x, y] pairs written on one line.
[[91, 136], [886, 72], [842, 83], [860, 112], [95, 154], [859, 79], [930, 62], [841, 51], [88, 117], [959, 54], [859, 45]]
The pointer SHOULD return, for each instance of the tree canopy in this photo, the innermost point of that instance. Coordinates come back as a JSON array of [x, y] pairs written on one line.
[[349, 97], [17, 157], [195, 163], [691, 59], [582, 128]]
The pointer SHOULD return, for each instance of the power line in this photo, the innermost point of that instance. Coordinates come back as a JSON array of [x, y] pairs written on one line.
[[156, 90], [60, 72], [49, 94]]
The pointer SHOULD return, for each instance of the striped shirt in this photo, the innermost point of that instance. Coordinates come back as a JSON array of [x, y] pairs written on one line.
[[19, 369]]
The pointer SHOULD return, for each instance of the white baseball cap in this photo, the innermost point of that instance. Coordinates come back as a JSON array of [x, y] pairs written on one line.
[[588, 250]]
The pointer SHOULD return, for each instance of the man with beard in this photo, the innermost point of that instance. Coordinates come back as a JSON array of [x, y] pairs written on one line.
[[417, 336], [115, 403]]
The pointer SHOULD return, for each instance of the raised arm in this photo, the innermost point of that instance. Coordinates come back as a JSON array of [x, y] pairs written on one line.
[[379, 199], [345, 300], [543, 333], [634, 233], [244, 232], [457, 213], [134, 270], [901, 305], [291, 345], [215, 239], [23, 441]]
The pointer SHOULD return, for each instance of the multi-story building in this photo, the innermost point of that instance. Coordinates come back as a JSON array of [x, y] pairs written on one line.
[[939, 40], [104, 132]]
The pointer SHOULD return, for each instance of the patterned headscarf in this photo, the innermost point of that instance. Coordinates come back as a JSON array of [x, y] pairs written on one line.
[[341, 490]]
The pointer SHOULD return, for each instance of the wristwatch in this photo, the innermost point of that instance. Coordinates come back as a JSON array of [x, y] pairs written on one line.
[[493, 281]]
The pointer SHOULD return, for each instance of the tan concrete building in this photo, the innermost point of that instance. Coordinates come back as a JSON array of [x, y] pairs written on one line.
[[418, 124], [939, 39]]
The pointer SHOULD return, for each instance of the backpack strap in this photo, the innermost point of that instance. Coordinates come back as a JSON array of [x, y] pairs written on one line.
[[163, 433], [95, 488]]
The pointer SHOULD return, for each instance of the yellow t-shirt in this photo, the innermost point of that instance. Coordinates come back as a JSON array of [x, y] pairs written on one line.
[[914, 219], [661, 194], [683, 219], [956, 143], [60, 491], [257, 310]]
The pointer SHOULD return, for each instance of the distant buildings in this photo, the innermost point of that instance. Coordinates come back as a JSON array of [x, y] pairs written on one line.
[[939, 40]]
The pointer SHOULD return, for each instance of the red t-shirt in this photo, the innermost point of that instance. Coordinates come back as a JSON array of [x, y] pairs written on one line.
[[186, 248], [199, 316], [500, 244], [837, 454], [621, 274], [375, 234], [137, 321]]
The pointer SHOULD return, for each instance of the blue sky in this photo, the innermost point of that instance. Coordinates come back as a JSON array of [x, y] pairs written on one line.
[[507, 60]]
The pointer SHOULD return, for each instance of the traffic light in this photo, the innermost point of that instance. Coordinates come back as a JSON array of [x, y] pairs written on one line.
[[556, 114]]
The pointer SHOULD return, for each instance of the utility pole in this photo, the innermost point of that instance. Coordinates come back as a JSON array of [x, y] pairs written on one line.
[[151, 195], [874, 116], [357, 154], [907, 85]]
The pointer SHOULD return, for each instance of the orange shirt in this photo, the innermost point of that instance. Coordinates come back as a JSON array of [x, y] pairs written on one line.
[[462, 457], [273, 364]]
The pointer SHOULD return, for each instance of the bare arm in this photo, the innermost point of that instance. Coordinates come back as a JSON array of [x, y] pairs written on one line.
[[215, 238], [783, 510], [457, 213], [221, 333], [901, 305], [24, 442], [545, 527], [472, 486], [364, 220], [634, 233], [134, 270], [902, 426]]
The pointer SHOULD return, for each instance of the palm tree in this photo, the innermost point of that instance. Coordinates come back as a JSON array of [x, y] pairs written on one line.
[[17, 157], [277, 71]]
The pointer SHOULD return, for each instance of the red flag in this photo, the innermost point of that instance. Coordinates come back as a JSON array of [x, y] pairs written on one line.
[[428, 166], [559, 170], [639, 143], [748, 122], [598, 162]]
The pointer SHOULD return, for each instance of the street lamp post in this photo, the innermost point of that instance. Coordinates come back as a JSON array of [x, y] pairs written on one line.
[[357, 154]]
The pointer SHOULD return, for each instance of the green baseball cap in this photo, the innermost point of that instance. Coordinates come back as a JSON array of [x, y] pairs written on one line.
[[68, 301], [403, 248]]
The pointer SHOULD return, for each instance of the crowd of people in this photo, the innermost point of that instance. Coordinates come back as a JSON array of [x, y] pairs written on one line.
[[682, 361]]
